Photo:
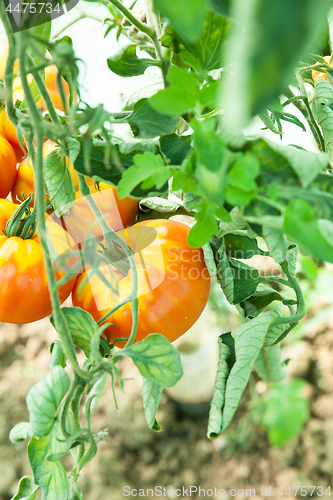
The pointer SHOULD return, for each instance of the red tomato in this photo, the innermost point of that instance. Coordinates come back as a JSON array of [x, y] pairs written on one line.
[[24, 292], [173, 283], [80, 221], [7, 167]]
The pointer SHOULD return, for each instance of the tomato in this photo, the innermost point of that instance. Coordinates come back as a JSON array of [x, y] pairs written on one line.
[[24, 293], [173, 283], [51, 73], [316, 75], [25, 179], [8, 130], [118, 213], [7, 167]]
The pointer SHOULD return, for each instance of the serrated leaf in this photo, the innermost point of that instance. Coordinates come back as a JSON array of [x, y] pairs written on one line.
[[276, 243], [225, 277], [50, 475], [127, 64], [20, 432], [306, 164], [249, 339], [209, 259], [27, 489], [215, 412], [205, 226], [186, 17], [175, 147], [74, 149], [57, 354], [255, 304], [159, 204], [269, 366], [156, 358], [81, 325], [147, 122], [324, 112], [110, 169], [151, 395], [59, 182], [246, 280], [180, 97], [44, 398], [239, 246], [211, 46], [301, 226], [149, 169]]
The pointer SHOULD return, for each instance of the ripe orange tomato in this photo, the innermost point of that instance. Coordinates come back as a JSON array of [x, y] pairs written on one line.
[[80, 221], [24, 292], [8, 130], [316, 75], [7, 167], [51, 73], [25, 179], [173, 283]]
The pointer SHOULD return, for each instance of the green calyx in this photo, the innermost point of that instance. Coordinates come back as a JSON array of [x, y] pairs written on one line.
[[23, 221]]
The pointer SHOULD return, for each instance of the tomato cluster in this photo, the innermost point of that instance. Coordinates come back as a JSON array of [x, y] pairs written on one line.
[[173, 280]]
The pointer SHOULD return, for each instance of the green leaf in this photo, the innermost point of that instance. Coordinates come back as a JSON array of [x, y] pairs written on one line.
[[285, 412], [249, 339], [59, 182], [306, 165], [175, 147], [324, 112], [58, 356], [210, 148], [245, 279], [221, 7], [96, 393], [206, 225], [27, 489], [50, 475], [225, 277], [239, 246], [20, 432], [301, 226], [186, 17], [151, 395], [263, 60], [180, 97], [156, 359], [291, 260], [82, 327], [74, 149], [215, 412], [276, 243], [44, 398], [211, 46], [147, 122], [159, 204], [127, 63], [269, 366], [110, 169], [148, 169], [255, 304], [209, 259]]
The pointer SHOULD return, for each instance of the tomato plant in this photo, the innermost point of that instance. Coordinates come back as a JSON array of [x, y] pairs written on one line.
[[167, 267], [115, 179]]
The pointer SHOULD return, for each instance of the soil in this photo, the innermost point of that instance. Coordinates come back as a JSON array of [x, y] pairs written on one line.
[[181, 455]]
